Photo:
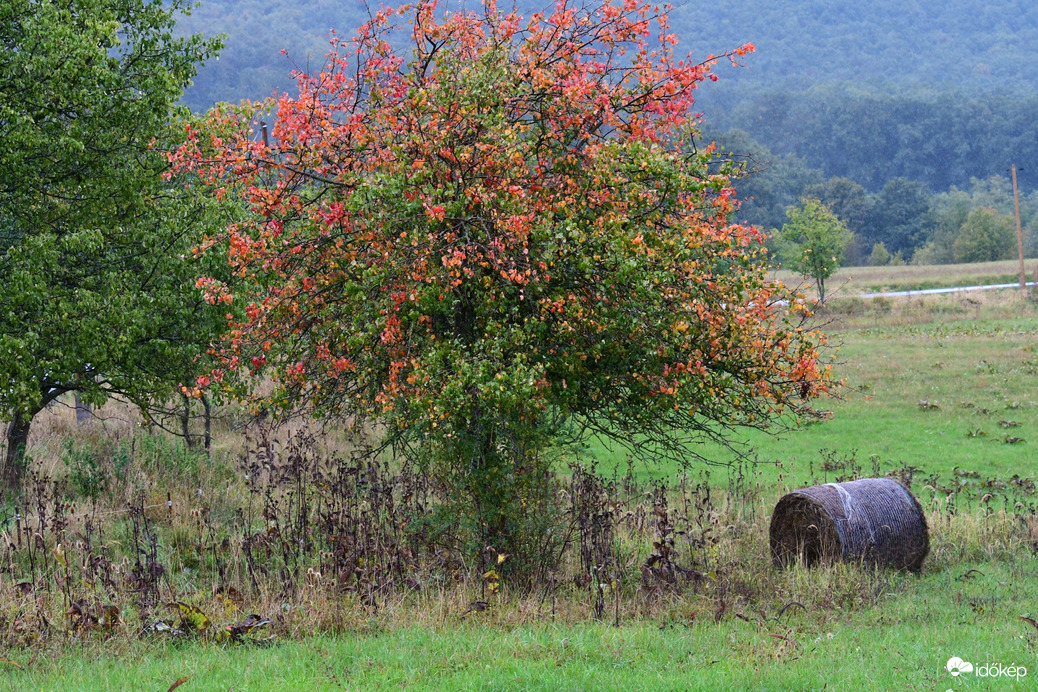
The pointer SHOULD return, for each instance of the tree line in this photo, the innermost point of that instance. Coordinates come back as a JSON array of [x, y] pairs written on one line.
[[902, 221], [942, 139]]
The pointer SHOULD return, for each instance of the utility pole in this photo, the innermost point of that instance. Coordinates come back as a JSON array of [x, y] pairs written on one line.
[[1019, 232]]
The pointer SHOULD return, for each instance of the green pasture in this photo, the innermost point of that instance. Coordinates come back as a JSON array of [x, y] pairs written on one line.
[[940, 391], [902, 643], [937, 396]]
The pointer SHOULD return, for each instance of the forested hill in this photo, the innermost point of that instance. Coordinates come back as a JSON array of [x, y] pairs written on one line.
[[251, 65], [887, 103], [957, 44], [974, 44]]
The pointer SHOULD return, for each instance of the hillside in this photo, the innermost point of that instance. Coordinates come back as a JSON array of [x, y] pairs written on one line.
[[251, 65], [971, 44], [960, 44], [875, 93]]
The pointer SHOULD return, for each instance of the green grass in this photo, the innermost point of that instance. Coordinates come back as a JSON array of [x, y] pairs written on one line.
[[858, 629], [902, 643], [930, 395]]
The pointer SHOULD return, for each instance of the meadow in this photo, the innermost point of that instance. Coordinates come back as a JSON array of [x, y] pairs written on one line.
[[851, 281], [939, 392], [935, 383]]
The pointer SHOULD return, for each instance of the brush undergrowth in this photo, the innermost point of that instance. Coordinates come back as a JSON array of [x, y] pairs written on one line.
[[139, 539]]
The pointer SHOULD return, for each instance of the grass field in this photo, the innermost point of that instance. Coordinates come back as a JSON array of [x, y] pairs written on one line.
[[941, 389], [851, 281], [900, 642], [901, 645], [944, 384]]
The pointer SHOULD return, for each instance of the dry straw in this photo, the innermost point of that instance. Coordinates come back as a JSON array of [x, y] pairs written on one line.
[[873, 520]]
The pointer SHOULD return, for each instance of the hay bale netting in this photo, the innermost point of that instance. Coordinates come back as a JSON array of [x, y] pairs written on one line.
[[874, 520]]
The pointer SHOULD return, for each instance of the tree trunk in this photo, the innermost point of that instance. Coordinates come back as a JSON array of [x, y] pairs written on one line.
[[492, 493], [82, 412], [185, 421], [208, 423], [17, 439]]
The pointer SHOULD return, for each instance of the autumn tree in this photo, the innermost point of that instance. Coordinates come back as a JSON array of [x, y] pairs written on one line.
[[813, 242], [97, 296], [501, 240]]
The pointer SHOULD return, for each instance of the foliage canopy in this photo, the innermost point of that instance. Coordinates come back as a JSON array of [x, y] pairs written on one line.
[[985, 236], [814, 241], [97, 296]]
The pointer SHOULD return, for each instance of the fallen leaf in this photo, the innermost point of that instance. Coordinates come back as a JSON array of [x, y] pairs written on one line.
[[191, 618]]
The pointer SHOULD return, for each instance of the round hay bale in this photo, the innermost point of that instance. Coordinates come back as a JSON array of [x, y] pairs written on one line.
[[872, 520]]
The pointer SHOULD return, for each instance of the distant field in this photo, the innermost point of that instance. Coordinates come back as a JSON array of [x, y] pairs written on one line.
[[937, 383], [851, 281]]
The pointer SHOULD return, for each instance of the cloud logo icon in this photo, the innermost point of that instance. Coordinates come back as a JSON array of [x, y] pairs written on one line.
[[956, 665]]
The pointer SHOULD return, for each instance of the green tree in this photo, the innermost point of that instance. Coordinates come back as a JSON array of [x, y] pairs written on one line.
[[985, 236], [849, 201], [846, 198], [899, 217], [813, 242], [98, 287], [880, 256], [950, 211]]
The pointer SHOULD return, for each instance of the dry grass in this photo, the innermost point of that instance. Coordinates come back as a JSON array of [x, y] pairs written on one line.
[[852, 281], [843, 313], [315, 552]]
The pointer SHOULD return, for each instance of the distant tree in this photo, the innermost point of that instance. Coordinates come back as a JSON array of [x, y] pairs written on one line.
[[846, 198], [767, 183], [928, 254], [98, 297], [950, 211], [850, 202], [880, 256], [500, 241], [814, 241], [898, 216], [985, 236], [995, 192]]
